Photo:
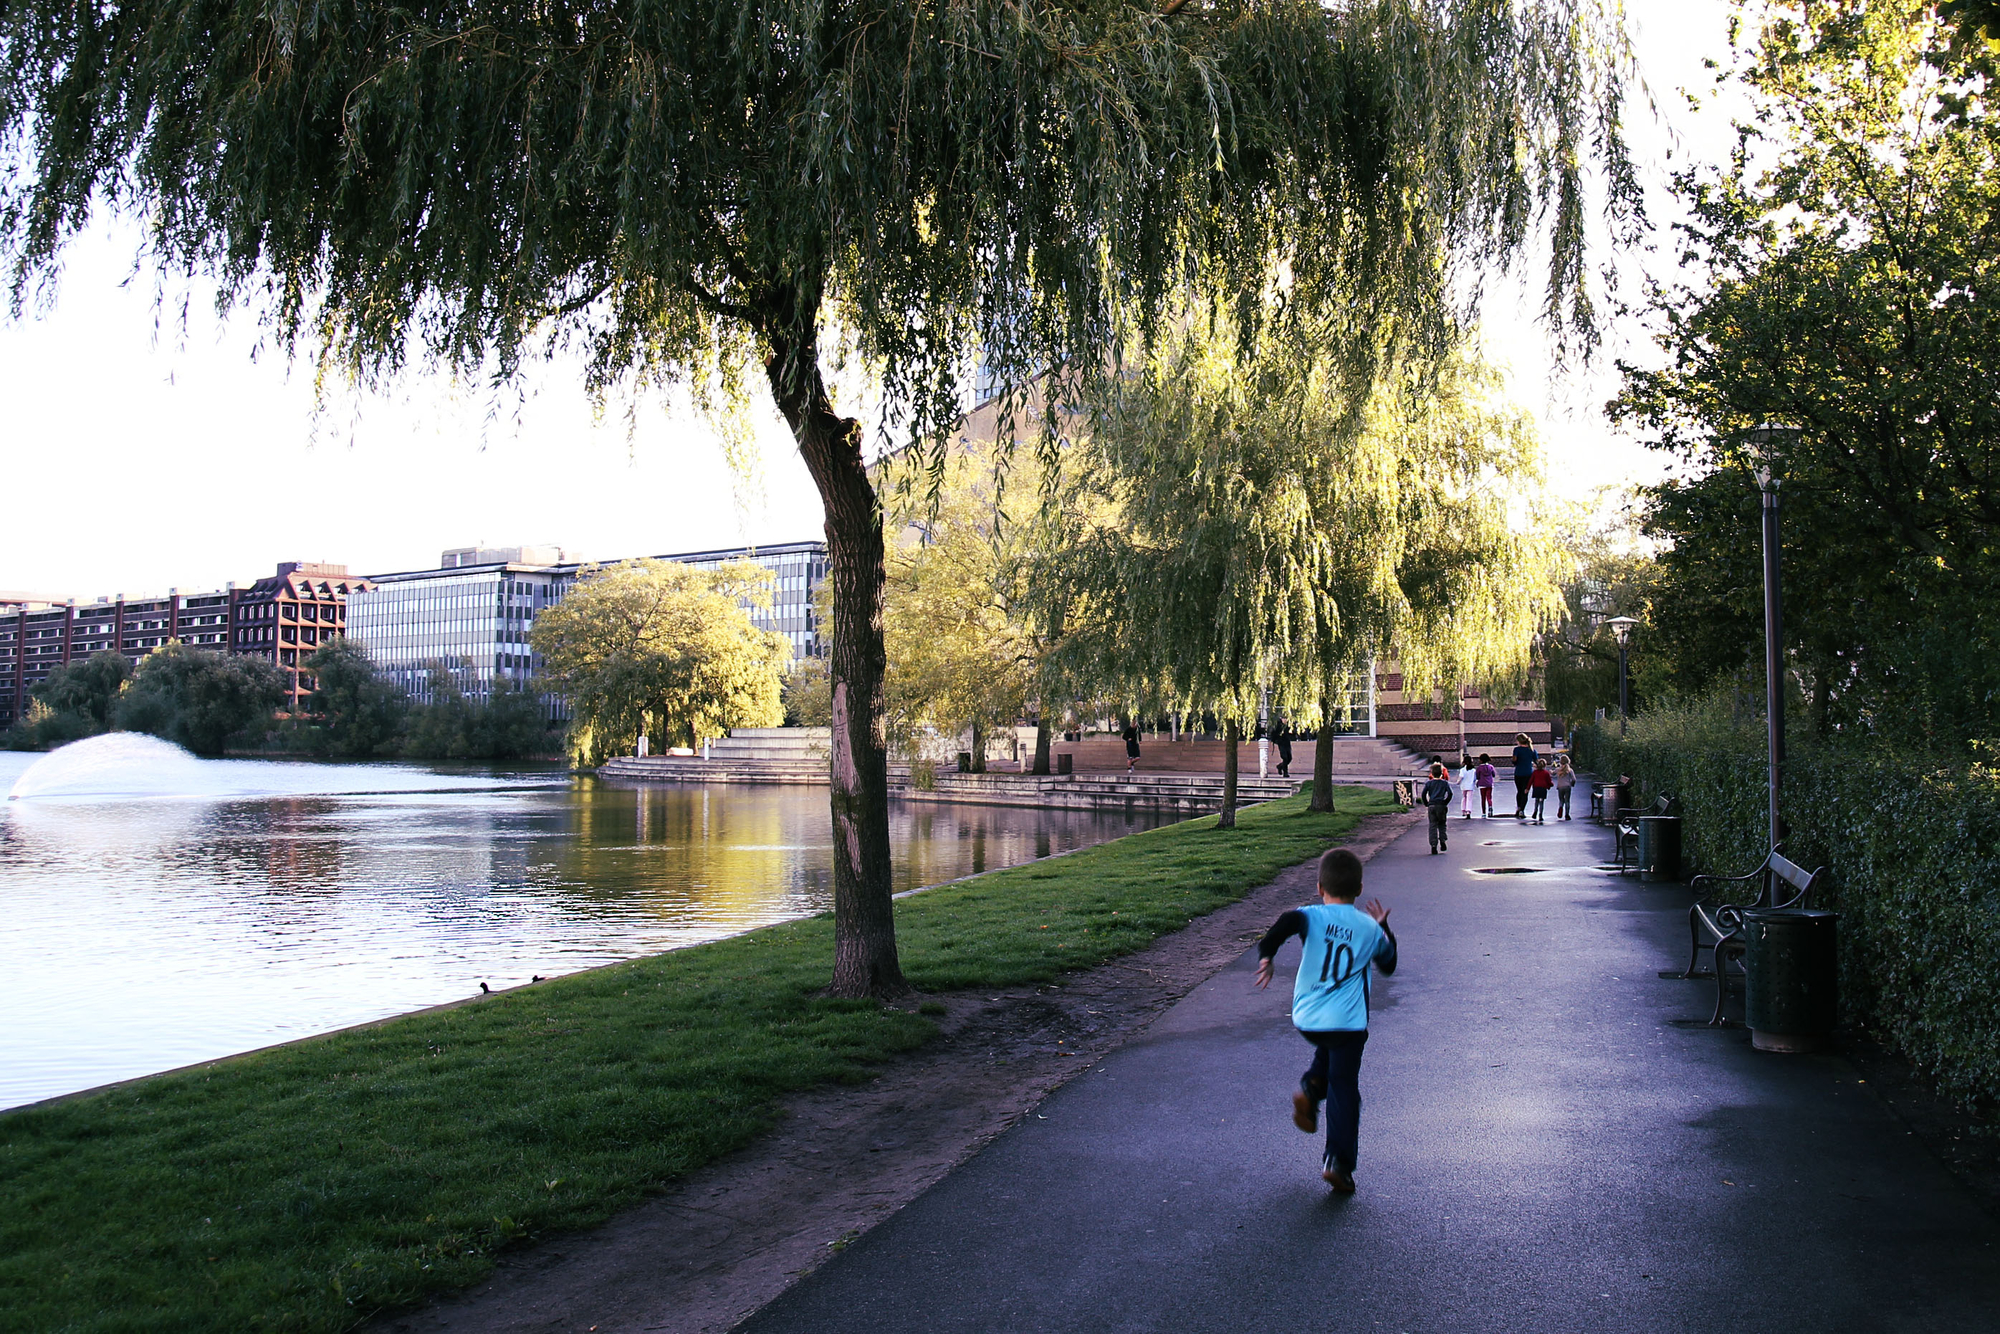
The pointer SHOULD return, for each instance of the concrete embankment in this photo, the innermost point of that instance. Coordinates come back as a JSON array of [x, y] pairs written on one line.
[[1188, 794]]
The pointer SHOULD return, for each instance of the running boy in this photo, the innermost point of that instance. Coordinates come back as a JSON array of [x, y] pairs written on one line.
[[1330, 1002], [1437, 799], [1539, 783]]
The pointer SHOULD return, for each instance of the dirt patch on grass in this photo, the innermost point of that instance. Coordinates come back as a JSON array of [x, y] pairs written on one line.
[[733, 1235]]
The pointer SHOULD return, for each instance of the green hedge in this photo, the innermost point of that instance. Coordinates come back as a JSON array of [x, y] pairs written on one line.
[[1913, 851]]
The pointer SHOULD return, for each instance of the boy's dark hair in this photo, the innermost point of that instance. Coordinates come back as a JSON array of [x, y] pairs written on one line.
[[1340, 874]]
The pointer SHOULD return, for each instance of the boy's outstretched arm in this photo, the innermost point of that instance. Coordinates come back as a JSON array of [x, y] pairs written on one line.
[[1290, 923], [1385, 954]]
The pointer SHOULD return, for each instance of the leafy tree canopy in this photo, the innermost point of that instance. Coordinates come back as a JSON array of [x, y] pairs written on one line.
[[353, 710], [1255, 526], [201, 700], [88, 690], [1841, 282], [664, 650], [962, 647], [510, 723]]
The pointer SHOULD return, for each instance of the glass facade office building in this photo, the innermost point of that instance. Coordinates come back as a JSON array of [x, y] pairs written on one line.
[[471, 622], [472, 618]]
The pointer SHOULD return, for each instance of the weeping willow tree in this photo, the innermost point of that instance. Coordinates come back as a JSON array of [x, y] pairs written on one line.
[[714, 195], [1266, 524]]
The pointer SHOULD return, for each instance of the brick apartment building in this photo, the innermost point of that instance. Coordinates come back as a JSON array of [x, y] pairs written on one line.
[[281, 619]]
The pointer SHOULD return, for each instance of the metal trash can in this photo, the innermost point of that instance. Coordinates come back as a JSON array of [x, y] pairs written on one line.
[[1617, 797], [1065, 761], [1791, 990], [1659, 847], [1405, 792], [965, 761]]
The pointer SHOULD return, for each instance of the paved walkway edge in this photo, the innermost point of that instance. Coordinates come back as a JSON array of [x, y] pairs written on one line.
[[733, 1236]]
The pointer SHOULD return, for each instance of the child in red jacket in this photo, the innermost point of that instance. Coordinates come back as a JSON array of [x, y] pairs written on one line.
[[1539, 783]]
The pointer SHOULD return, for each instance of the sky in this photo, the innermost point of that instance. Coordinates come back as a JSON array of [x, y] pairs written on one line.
[[144, 452]]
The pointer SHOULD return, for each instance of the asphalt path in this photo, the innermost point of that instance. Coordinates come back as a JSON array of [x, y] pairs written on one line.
[[1543, 1148]]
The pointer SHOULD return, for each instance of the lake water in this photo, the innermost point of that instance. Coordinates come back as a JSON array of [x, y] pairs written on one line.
[[157, 910]]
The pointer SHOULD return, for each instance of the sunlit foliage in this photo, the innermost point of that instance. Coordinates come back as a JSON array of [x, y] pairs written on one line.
[[653, 648]]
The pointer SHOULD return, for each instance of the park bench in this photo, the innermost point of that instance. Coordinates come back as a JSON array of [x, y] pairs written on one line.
[[1718, 915], [1626, 822]]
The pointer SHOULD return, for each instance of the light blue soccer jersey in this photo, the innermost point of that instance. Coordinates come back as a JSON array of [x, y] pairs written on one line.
[[1341, 941]]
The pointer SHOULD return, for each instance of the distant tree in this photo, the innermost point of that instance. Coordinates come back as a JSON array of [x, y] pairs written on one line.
[[1611, 575], [1268, 524], [41, 728], [654, 648], [439, 727], [353, 710], [201, 700], [87, 690], [808, 694], [508, 725], [962, 652], [705, 193], [511, 724]]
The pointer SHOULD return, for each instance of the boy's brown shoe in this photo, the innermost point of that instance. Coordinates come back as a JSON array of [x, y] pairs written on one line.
[[1305, 1112], [1337, 1177]]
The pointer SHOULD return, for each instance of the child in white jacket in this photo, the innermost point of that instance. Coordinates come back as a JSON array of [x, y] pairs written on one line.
[[1468, 783]]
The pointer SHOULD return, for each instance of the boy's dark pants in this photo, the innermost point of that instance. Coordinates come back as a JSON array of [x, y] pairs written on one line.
[[1335, 1076], [1438, 827]]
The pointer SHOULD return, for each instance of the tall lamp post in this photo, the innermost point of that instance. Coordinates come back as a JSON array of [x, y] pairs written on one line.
[[1766, 442], [1621, 626]]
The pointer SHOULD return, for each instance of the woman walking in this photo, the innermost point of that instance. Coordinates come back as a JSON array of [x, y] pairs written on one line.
[[1524, 773], [1131, 735]]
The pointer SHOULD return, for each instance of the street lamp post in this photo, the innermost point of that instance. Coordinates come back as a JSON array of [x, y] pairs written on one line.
[[1621, 626], [1765, 442]]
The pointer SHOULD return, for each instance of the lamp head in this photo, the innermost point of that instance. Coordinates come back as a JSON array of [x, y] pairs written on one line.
[[1767, 442], [1621, 626]]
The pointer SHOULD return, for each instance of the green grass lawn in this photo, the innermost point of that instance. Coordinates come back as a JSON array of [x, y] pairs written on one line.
[[312, 1186]]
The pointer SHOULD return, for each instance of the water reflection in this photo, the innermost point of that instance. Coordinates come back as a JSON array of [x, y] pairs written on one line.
[[145, 933]]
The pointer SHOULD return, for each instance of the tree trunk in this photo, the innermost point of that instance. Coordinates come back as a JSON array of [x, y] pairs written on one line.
[[1322, 798], [979, 748], [1232, 733], [864, 919], [1041, 745]]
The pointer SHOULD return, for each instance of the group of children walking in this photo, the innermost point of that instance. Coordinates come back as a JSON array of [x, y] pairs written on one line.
[[1535, 777]]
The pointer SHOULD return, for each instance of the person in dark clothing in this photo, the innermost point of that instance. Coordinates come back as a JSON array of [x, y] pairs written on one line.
[[1524, 773], [1437, 800], [1330, 1003], [1281, 737], [1131, 735]]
